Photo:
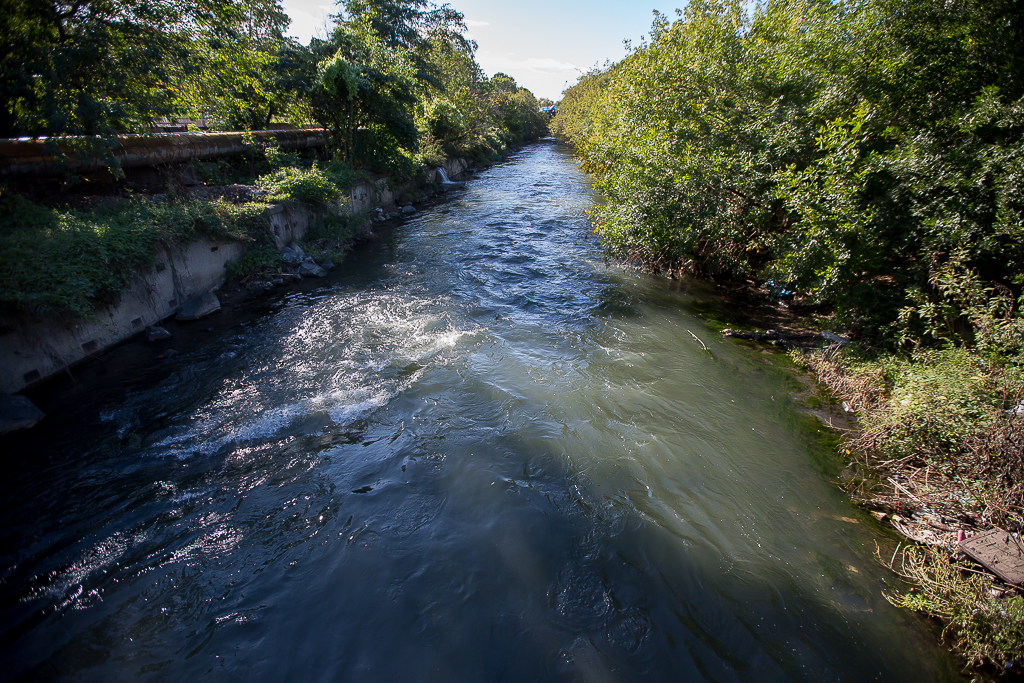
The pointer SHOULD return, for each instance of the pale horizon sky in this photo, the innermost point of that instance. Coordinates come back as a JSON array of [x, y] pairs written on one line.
[[545, 46]]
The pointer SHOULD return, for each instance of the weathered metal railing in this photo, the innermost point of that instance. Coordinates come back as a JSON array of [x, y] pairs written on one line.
[[24, 156]]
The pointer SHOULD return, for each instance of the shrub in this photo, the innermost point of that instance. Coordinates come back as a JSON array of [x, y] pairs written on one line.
[[985, 628], [443, 120], [432, 154], [938, 400], [311, 186]]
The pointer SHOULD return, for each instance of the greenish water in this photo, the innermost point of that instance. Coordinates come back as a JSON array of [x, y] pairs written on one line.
[[480, 453]]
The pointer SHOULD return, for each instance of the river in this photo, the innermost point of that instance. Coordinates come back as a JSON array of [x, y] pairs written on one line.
[[479, 453]]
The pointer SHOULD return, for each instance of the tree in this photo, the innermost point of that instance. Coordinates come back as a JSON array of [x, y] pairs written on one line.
[[843, 149], [102, 67], [365, 84], [230, 74]]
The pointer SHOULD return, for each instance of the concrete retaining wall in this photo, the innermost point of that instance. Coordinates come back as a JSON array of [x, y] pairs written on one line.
[[289, 222], [33, 349], [369, 194]]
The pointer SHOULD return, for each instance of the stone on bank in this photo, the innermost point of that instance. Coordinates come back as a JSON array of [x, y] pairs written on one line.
[[17, 412], [199, 307]]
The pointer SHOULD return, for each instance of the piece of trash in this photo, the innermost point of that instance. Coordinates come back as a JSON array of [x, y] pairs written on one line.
[[833, 337], [998, 553], [846, 407]]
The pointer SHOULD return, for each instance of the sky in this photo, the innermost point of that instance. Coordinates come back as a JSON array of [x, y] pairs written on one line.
[[544, 45]]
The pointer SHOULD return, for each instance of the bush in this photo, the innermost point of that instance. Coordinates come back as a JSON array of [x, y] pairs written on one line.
[[985, 628], [433, 154], [938, 401], [443, 120], [295, 184]]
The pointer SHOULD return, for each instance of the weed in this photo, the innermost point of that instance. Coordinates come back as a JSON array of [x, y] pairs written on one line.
[[311, 186], [985, 627]]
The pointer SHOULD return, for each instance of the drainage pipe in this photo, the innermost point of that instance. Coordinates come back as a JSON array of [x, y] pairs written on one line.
[[24, 156]]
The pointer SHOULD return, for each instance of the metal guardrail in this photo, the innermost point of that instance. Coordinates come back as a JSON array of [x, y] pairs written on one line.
[[24, 156]]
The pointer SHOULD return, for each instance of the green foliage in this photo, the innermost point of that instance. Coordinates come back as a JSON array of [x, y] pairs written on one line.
[[341, 174], [985, 628], [103, 67], [432, 154], [69, 261], [97, 68], [846, 149], [443, 121], [257, 258], [939, 401], [959, 310], [311, 186], [575, 118], [339, 229], [277, 158], [229, 73], [365, 85]]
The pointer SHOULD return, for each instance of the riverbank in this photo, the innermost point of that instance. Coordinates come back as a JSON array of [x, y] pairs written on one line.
[[87, 272], [933, 453]]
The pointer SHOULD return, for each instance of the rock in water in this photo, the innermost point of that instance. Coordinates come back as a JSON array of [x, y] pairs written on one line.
[[156, 333], [327, 264], [310, 269], [408, 209], [17, 412], [199, 307]]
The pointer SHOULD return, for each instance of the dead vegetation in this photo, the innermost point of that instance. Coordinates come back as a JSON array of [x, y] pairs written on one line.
[[938, 453]]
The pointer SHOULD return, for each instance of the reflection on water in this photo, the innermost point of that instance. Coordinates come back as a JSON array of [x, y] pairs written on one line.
[[480, 454]]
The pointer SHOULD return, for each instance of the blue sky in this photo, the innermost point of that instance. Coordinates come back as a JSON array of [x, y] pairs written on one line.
[[542, 44]]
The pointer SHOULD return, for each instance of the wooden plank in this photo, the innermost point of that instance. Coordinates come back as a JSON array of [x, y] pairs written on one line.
[[998, 552]]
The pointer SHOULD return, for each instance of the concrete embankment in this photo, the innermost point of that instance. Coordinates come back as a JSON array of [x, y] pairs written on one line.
[[34, 348]]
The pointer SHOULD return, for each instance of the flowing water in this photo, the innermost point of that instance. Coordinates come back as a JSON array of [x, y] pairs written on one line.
[[478, 454]]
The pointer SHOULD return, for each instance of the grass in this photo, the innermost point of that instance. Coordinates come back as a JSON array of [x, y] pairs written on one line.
[[983, 625]]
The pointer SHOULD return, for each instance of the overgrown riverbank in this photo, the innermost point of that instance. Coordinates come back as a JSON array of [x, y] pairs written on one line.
[[71, 253], [938, 456], [934, 445]]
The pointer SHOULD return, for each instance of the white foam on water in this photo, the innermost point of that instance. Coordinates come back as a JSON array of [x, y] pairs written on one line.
[[349, 358]]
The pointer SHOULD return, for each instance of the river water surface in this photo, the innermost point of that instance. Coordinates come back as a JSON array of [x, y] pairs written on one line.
[[478, 454]]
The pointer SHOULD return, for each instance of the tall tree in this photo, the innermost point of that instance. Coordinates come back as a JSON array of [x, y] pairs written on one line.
[[96, 66], [230, 73]]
